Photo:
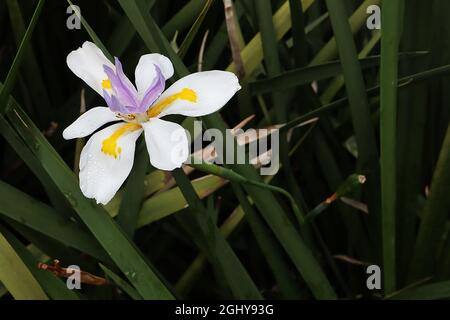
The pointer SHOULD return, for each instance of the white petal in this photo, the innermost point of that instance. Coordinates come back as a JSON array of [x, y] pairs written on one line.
[[87, 63], [212, 90], [145, 70], [167, 143], [88, 122], [101, 175]]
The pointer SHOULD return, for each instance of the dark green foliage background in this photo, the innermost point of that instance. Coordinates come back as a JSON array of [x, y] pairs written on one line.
[[396, 134]]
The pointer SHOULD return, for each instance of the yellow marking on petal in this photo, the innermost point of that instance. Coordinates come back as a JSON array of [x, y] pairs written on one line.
[[106, 84], [185, 94], [109, 145]]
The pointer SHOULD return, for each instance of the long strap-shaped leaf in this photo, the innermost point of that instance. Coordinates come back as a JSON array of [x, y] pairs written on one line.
[[209, 238], [403, 83], [53, 286], [30, 160], [435, 214], [13, 71], [356, 21], [133, 192], [390, 39], [432, 291], [359, 107], [306, 75], [46, 220], [121, 250], [252, 54], [15, 275], [273, 68]]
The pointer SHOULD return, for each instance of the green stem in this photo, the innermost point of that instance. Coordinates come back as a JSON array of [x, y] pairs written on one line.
[[236, 177]]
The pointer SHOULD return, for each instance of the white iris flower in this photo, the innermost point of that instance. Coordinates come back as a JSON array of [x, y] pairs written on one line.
[[107, 158]]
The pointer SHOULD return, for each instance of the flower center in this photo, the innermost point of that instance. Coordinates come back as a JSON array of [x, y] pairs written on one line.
[[133, 117], [185, 94], [110, 145]]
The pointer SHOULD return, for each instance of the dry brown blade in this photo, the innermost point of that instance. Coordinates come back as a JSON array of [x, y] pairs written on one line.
[[331, 199], [85, 277], [233, 37], [262, 159], [242, 124], [350, 260], [51, 129], [355, 204], [173, 42], [427, 191], [410, 286], [315, 86], [256, 134], [208, 153], [79, 144], [82, 101], [202, 51]]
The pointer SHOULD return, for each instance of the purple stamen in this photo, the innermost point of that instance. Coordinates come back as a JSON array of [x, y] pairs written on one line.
[[130, 90], [123, 94]]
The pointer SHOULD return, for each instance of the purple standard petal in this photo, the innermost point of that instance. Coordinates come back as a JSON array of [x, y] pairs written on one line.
[[119, 90], [153, 91], [124, 98], [112, 102], [126, 83]]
